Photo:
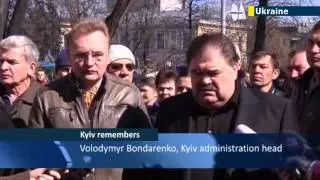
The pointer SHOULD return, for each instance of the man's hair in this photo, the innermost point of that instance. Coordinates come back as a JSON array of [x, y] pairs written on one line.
[[316, 27], [214, 39], [260, 54], [31, 51], [183, 72], [295, 52], [40, 69], [165, 75], [147, 81], [85, 27]]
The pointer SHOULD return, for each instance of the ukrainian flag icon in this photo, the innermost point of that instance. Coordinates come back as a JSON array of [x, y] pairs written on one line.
[[250, 10]]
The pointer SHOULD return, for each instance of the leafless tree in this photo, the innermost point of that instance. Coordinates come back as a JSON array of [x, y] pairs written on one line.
[[4, 7], [72, 11], [114, 18], [12, 15], [69, 11]]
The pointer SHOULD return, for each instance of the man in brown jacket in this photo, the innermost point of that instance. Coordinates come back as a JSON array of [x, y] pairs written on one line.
[[89, 97], [18, 60]]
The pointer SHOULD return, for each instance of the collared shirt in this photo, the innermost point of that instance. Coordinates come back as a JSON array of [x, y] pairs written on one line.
[[214, 121], [276, 91]]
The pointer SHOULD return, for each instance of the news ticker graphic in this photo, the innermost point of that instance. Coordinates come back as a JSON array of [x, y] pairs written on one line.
[[284, 11], [111, 134], [176, 150]]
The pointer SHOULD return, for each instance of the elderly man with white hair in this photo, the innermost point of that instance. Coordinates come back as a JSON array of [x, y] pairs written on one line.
[[122, 62], [18, 64]]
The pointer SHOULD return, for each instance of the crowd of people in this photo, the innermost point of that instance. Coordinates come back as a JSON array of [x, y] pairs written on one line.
[[95, 88]]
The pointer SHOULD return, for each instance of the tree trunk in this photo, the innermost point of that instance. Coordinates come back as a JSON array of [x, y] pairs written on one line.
[[259, 43], [114, 18], [190, 20], [17, 17], [4, 7]]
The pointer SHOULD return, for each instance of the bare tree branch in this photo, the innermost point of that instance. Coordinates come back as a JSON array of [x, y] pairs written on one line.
[[4, 9], [114, 18], [260, 30], [18, 17]]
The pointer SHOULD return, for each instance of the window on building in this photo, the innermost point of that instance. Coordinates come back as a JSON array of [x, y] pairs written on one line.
[[186, 39], [173, 39], [160, 40]]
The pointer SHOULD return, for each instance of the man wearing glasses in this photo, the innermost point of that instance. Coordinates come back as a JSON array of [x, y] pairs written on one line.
[[122, 62], [89, 97]]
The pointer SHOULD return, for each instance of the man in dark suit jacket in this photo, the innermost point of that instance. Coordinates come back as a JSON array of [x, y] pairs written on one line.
[[5, 120], [217, 104]]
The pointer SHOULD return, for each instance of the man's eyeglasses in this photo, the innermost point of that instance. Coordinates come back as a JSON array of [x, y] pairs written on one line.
[[118, 66]]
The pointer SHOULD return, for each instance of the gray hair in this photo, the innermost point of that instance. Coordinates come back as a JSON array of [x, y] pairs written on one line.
[[31, 51]]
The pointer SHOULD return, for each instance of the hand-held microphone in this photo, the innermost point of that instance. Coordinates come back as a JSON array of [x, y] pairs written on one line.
[[244, 129]]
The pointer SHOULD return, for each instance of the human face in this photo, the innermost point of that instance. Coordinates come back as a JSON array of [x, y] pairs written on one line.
[[313, 50], [183, 84], [166, 89], [298, 64], [63, 71], [41, 76], [212, 77], [122, 68], [262, 72], [89, 55], [14, 67], [149, 95]]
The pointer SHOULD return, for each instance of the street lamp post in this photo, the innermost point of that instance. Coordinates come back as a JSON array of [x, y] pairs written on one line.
[[237, 13], [223, 16]]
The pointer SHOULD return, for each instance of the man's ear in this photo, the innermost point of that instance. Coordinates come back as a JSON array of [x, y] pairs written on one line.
[[32, 69], [238, 65], [275, 74], [236, 69]]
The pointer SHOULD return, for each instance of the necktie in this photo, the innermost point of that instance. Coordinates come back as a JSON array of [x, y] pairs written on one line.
[[88, 96]]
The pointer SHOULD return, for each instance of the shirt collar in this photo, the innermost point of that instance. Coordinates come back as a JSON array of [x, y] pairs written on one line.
[[234, 100], [76, 82], [30, 93]]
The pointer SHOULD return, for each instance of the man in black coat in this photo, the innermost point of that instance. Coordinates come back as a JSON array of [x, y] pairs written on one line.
[[306, 93], [217, 104]]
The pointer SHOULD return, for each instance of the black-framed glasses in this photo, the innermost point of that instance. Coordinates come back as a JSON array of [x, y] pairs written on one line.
[[118, 66]]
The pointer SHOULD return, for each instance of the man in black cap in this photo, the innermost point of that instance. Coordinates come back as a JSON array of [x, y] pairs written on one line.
[[63, 66]]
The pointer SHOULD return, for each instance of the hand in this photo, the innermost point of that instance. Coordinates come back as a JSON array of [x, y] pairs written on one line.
[[44, 174]]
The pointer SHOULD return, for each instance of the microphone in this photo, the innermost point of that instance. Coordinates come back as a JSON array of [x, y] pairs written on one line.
[[244, 129], [303, 163]]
